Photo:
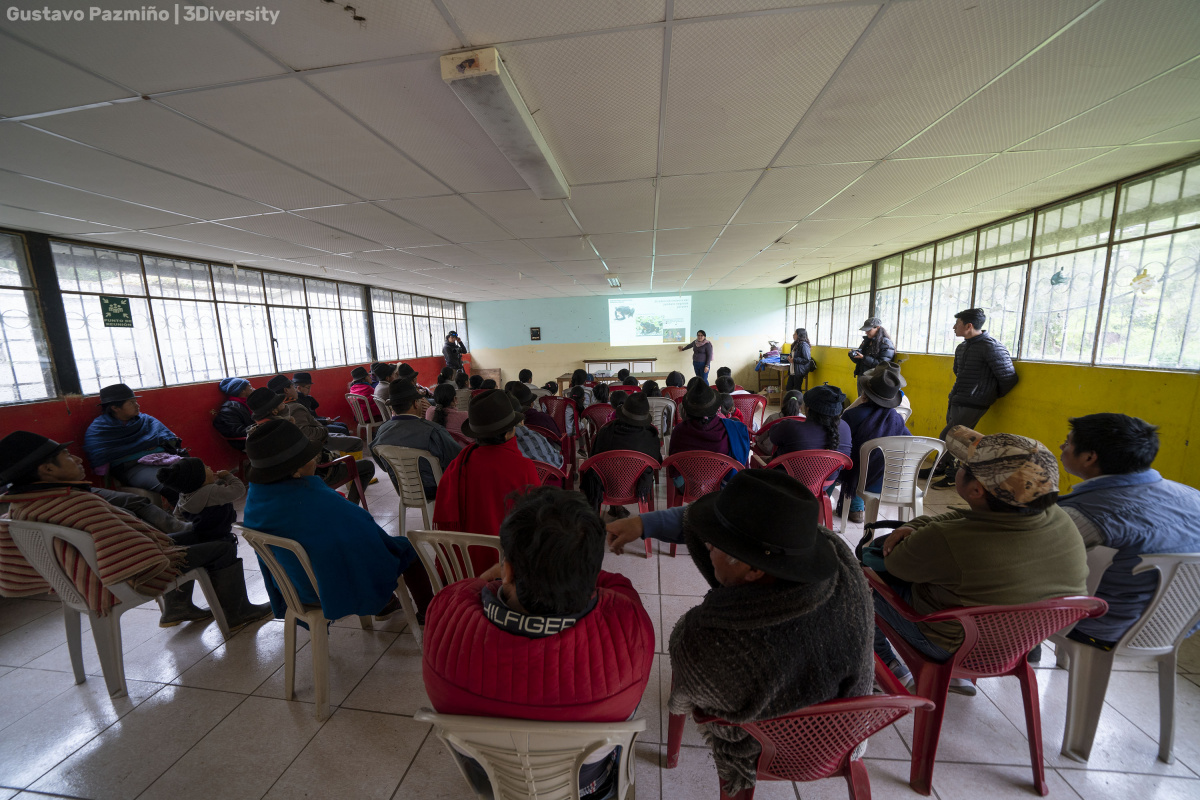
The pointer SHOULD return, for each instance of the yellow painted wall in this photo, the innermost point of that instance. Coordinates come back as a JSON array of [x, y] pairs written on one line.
[[1046, 396]]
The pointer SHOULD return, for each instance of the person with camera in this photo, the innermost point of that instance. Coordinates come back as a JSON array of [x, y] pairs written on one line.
[[876, 348]]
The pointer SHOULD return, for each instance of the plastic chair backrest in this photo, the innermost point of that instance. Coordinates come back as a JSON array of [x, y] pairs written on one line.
[[381, 406], [674, 392], [449, 554], [663, 410], [902, 459], [905, 412], [556, 407], [35, 540], [766, 429], [526, 759], [360, 409], [547, 472], [599, 414], [702, 471], [753, 408], [554, 438], [262, 544], [811, 467], [404, 463], [619, 471], [1172, 612]]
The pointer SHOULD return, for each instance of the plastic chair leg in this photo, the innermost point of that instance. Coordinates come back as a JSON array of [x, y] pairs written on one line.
[[319, 644], [857, 780], [74, 642], [871, 504], [675, 723], [845, 501], [214, 603], [672, 551], [289, 656], [647, 548], [1091, 668], [1033, 725], [1166, 708], [366, 623], [410, 610], [933, 682], [106, 631]]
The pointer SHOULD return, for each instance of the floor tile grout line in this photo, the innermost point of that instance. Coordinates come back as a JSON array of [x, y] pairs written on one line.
[[416, 755], [320, 727]]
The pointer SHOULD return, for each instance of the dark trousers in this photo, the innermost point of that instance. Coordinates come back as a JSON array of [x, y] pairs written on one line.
[[212, 556], [909, 630], [958, 415], [143, 509], [699, 367]]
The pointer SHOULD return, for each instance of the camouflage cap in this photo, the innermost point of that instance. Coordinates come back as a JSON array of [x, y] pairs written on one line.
[[1015, 469]]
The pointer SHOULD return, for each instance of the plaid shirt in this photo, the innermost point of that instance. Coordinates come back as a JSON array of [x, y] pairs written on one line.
[[537, 447]]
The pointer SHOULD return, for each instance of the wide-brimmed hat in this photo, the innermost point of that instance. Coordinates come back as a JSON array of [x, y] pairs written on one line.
[[1015, 469], [262, 401], [635, 410], [700, 401], [490, 413], [883, 388], [768, 520], [359, 373], [280, 383], [382, 370], [522, 393], [872, 322], [402, 393], [117, 393], [406, 372], [20, 451], [276, 449], [826, 400], [302, 377]]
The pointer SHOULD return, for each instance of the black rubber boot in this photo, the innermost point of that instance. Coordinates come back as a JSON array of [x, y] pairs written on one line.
[[230, 585], [177, 607]]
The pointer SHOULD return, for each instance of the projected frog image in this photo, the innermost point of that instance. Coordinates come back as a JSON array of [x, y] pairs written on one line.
[[623, 312], [674, 335], [648, 325]]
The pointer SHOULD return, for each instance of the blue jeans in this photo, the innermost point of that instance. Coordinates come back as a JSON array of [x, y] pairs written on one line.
[[699, 367], [856, 502], [909, 630]]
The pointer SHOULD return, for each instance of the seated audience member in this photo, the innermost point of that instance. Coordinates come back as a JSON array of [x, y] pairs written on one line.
[[658, 406], [409, 428], [303, 418], [462, 390], [622, 374], [533, 445], [872, 417], [1031, 548], [474, 493], [525, 376], [787, 623], [1124, 504], [650, 389], [550, 389], [360, 382], [676, 379], [131, 444], [629, 381], [265, 403], [822, 428], [631, 429], [600, 393], [533, 416], [47, 484], [303, 382], [488, 383], [724, 372], [384, 375], [702, 429], [617, 398], [729, 410], [887, 366], [445, 411], [553, 607], [476, 382], [405, 372], [696, 381], [355, 562], [789, 406], [446, 375]]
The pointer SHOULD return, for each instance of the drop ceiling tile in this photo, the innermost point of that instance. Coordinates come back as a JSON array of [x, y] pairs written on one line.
[[730, 259], [1188, 131], [892, 183], [755, 236], [350, 264], [410, 106], [574, 268], [333, 147], [48, 223], [235, 239], [880, 231], [151, 134], [168, 246], [398, 259], [292, 228], [609, 131], [676, 241], [526, 216], [182, 55], [689, 200], [563, 248], [674, 262], [878, 101], [739, 86], [448, 216], [506, 252], [622, 245], [792, 193], [628, 266], [817, 232], [40, 155], [614, 207], [370, 222], [450, 254], [777, 259], [46, 83], [36, 195], [486, 21], [309, 35], [1114, 48]]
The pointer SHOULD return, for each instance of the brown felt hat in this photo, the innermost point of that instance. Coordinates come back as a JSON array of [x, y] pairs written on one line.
[[490, 413]]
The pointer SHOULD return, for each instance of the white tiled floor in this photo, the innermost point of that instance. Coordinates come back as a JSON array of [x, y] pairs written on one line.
[[205, 718]]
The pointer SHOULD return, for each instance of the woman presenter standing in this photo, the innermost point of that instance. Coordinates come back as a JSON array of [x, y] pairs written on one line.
[[703, 355]]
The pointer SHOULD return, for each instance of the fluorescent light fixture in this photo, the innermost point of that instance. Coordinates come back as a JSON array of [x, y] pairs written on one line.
[[484, 86], [614, 281]]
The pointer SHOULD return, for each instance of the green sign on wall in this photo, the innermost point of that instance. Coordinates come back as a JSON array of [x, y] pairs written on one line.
[[116, 312]]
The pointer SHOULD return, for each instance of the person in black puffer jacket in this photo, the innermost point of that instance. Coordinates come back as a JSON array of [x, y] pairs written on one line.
[[876, 348], [233, 420]]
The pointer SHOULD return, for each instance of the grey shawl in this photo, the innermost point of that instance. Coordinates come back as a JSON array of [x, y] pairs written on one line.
[[756, 652]]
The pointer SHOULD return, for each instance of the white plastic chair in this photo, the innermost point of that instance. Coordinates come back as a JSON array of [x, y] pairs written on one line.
[[312, 615], [35, 540], [662, 413], [403, 464], [448, 550], [384, 410], [526, 760], [1156, 636], [904, 413], [902, 458], [364, 420]]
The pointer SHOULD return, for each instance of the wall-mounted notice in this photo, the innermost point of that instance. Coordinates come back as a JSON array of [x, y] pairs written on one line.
[[649, 320]]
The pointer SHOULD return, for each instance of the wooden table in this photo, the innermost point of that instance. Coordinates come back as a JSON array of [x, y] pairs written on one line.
[[564, 380], [773, 375]]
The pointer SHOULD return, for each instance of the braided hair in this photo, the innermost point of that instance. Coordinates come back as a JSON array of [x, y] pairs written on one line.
[[443, 397], [832, 435]]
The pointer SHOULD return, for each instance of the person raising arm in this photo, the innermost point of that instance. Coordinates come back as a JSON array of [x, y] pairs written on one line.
[[703, 355]]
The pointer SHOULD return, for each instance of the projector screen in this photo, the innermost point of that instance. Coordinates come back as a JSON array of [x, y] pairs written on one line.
[[649, 320]]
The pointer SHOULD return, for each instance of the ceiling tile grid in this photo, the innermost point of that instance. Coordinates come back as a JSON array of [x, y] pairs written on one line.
[[623, 245], [524, 215], [302, 231], [449, 216], [373, 222], [614, 207], [489, 21], [23, 218], [676, 241], [792, 193], [38, 195], [686, 201], [47, 83], [891, 183], [563, 248], [218, 235]]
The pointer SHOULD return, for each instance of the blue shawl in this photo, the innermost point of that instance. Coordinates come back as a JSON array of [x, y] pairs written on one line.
[[866, 422], [355, 561], [110, 441], [739, 439]]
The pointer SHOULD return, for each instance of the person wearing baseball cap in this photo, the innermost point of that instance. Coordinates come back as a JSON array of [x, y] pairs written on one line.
[[1013, 545], [454, 350], [876, 348], [788, 621]]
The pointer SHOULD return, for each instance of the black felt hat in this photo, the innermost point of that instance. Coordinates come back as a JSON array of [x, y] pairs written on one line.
[[768, 520], [20, 451], [406, 372], [276, 449], [117, 393], [262, 402], [883, 387], [382, 370], [700, 401], [302, 377], [359, 373], [635, 410], [522, 393], [402, 393], [280, 383], [490, 413]]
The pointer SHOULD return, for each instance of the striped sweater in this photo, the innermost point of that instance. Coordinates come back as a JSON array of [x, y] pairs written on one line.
[[127, 549]]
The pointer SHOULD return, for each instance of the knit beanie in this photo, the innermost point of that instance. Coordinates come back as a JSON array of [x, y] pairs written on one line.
[[184, 476], [231, 387], [825, 400]]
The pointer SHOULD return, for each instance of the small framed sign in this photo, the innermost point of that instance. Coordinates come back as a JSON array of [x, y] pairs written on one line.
[[116, 312], [535, 334]]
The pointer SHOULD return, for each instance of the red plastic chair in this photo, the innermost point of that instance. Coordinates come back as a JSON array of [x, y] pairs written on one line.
[[996, 641], [619, 471], [550, 475], [765, 430], [556, 407], [702, 471], [460, 437], [566, 447], [594, 417], [351, 477], [816, 742], [815, 469], [676, 393], [753, 408]]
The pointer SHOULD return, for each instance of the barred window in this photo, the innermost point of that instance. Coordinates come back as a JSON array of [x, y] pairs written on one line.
[[24, 353]]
